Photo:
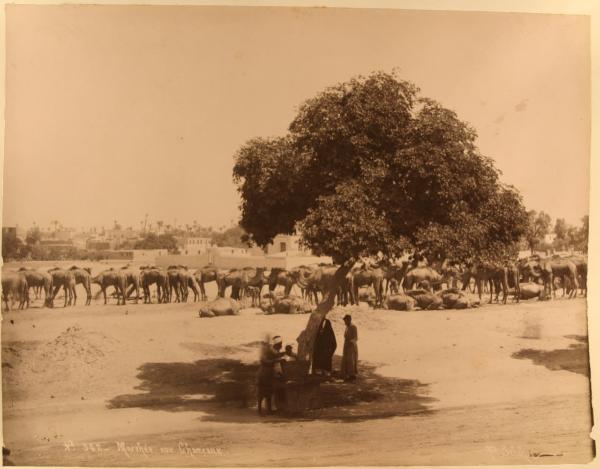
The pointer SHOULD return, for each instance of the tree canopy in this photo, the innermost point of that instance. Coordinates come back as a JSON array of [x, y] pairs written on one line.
[[538, 226], [370, 166]]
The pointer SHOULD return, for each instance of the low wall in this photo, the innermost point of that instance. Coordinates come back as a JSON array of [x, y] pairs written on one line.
[[192, 262]]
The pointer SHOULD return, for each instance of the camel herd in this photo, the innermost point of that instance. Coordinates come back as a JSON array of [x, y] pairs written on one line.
[[387, 282]]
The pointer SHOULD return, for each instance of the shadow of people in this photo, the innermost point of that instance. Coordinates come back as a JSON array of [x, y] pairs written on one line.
[[225, 390]]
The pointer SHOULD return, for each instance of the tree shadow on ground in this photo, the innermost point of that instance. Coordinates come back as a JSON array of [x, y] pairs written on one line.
[[575, 358], [224, 389]]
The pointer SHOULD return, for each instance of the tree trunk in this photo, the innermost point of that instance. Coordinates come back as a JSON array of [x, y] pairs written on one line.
[[306, 339]]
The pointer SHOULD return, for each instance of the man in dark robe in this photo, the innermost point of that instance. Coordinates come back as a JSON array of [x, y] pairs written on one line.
[[325, 345]]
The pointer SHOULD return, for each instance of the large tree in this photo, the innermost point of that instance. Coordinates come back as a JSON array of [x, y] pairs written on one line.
[[538, 226], [369, 166]]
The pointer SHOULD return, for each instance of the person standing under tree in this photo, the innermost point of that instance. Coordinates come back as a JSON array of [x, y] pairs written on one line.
[[349, 369], [270, 359], [325, 345]]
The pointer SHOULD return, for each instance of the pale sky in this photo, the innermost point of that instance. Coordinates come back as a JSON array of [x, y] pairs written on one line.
[[117, 111]]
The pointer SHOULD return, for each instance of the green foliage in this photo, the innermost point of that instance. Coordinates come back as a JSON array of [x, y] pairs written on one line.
[[561, 229], [369, 166], [538, 226], [233, 237]]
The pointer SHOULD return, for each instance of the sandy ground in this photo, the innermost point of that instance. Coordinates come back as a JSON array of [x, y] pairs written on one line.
[[155, 385]]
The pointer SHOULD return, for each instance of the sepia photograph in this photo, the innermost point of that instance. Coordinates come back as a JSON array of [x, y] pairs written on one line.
[[283, 236]]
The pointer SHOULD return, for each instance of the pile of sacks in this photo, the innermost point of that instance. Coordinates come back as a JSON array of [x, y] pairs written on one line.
[[451, 298]]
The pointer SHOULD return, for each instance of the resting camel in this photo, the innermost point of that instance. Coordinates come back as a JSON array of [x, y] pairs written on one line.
[[15, 285], [39, 280], [425, 299], [65, 279]]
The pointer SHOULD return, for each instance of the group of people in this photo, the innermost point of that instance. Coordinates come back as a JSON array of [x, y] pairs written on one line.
[[270, 373]]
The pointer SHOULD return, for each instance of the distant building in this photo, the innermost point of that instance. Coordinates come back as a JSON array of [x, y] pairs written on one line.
[[119, 237], [195, 245], [9, 231], [97, 245], [288, 244]]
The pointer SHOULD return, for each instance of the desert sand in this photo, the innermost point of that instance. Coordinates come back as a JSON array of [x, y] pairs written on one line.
[[155, 385]]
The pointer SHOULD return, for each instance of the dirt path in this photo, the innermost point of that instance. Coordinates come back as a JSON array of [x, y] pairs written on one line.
[[155, 385]]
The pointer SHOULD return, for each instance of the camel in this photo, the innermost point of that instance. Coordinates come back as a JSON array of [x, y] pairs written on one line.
[[566, 270], [83, 276], [418, 275], [531, 290], [581, 265], [425, 299], [534, 267], [239, 279], [367, 276], [254, 294], [132, 282], [513, 278], [258, 280], [315, 280], [231, 278], [453, 298], [150, 276], [285, 278], [114, 278], [177, 281], [15, 285], [220, 307], [65, 279], [206, 274], [39, 280], [394, 276], [548, 269], [485, 273], [399, 303], [190, 282]]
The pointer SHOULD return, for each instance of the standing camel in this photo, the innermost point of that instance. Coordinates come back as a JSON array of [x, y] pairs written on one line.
[[39, 280], [83, 276], [15, 285], [116, 279], [150, 276], [206, 274], [65, 279]]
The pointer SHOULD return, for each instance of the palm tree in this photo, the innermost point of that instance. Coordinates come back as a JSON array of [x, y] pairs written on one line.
[[160, 224]]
